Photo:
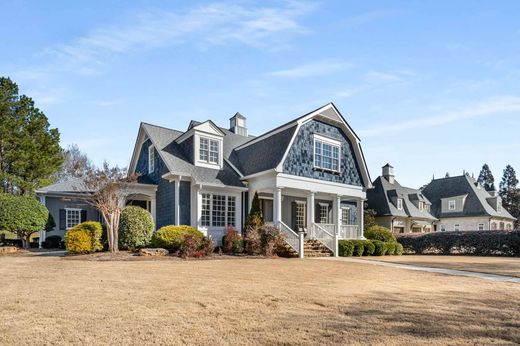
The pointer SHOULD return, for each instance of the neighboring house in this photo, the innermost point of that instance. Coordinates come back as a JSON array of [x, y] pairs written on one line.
[[68, 206], [401, 209], [462, 204], [310, 175]]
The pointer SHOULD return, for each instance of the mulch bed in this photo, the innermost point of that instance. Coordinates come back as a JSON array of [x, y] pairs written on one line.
[[131, 256]]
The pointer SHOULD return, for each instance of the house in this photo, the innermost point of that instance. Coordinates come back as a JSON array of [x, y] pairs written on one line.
[[462, 204], [309, 173], [401, 209]]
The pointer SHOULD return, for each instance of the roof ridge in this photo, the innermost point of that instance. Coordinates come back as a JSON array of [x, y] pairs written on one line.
[[162, 127]]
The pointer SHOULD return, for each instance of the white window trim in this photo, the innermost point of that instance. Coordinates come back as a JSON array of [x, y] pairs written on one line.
[[324, 205], [151, 159], [196, 152], [329, 141], [345, 222], [452, 202], [421, 206], [456, 227], [226, 209], [67, 217], [480, 227], [399, 204], [499, 207]]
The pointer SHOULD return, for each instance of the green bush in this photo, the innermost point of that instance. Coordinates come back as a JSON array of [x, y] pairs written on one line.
[[359, 247], [52, 242], [390, 248], [369, 248], [232, 242], [379, 233], [398, 249], [135, 228], [84, 238], [172, 237], [380, 247], [345, 248]]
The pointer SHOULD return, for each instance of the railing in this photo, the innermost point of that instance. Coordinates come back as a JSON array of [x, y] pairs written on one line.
[[324, 236], [348, 232], [291, 237], [329, 227]]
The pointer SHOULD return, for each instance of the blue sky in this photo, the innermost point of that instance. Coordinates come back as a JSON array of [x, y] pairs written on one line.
[[429, 86]]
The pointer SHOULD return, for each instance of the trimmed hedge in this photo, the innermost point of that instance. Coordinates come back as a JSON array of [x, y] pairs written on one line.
[[84, 238], [359, 247], [380, 248], [135, 228], [172, 237], [345, 248], [348, 248], [379, 233], [369, 248], [476, 243]]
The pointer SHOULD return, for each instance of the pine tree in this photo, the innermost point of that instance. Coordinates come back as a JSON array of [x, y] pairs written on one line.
[[486, 178], [29, 149], [509, 192]]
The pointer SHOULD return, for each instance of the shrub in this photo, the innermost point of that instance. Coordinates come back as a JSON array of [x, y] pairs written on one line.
[[253, 243], [359, 247], [84, 238], [345, 248], [380, 247], [135, 228], [398, 249], [390, 248], [207, 246], [190, 246], [172, 237], [52, 242], [379, 233], [271, 240], [232, 241], [369, 248], [478, 243]]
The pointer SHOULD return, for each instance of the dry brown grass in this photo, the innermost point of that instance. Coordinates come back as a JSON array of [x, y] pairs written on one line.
[[493, 265], [48, 300]]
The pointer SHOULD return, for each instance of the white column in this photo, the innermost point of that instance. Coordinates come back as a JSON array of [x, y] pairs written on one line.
[[250, 196], [336, 206], [360, 216], [177, 202], [277, 205], [41, 239], [310, 211], [153, 210]]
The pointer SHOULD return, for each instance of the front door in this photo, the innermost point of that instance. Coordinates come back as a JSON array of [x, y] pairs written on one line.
[[298, 215]]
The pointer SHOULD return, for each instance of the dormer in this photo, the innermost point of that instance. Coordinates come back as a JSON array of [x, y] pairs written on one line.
[[495, 202], [453, 204], [204, 143]]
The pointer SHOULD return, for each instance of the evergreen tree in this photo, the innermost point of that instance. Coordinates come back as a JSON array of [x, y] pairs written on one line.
[[29, 149], [486, 178], [255, 219], [509, 192]]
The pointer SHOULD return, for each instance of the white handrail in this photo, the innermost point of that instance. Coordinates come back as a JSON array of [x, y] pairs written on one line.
[[323, 236], [291, 237], [348, 232]]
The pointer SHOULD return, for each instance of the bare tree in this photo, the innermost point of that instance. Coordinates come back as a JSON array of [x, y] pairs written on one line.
[[76, 164], [109, 188]]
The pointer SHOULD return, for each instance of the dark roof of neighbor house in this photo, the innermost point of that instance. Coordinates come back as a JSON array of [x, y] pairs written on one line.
[[70, 185], [380, 199], [476, 203]]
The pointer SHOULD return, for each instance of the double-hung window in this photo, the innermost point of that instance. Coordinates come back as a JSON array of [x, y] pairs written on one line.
[[209, 150], [151, 159], [326, 154], [399, 204], [324, 213], [345, 216], [218, 210], [451, 204], [72, 217]]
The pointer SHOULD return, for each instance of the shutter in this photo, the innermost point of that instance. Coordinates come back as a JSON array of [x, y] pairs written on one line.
[[63, 219], [293, 216], [317, 212], [83, 215]]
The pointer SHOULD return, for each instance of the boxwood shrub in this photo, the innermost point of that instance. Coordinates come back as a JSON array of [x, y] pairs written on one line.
[[398, 249], [135, 228], [390, 248], [359, 247], [84, 238], [379, 233], [345, 248], [172, 237], [369, 247], [380, 247]]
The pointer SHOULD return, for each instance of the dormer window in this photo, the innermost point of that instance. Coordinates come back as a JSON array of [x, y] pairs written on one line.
[[451, 204], [151, 159], [326, 153], [499, 206], [399, 204], [209, 150], [421, 206]]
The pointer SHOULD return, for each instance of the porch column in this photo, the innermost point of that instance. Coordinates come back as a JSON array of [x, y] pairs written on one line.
[[310, 212], [153, 210], [277, 206], [41, 238], [360, 217], [337, 222], [177, 202]]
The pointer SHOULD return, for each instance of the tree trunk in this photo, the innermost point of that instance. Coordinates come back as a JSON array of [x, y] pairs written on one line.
[[26, 240]]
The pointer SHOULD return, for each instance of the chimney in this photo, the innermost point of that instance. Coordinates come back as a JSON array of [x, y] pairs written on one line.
[[388, 173], [237, 124]]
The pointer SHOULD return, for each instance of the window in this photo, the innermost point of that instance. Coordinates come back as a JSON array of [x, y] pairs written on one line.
[[72, 217], [493, 226], [457, 227], [502, 226], [421, 206], [451, 204], [427, 207], [218, 210], [443, 228], [326, 154], [345, 216], [508, 227], [324, 213], [499, 206], [209, 150], [399, 204], [267, 209], [480, 226], [300, 215], [151, 159]]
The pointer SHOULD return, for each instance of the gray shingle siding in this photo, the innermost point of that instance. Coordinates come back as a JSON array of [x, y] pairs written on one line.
[[187, 147], [300, 159]]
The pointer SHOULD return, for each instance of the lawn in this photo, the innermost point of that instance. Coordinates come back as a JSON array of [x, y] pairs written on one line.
[[50, 300]]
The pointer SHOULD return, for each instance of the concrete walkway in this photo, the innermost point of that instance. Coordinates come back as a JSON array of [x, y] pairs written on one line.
[[486, 276]]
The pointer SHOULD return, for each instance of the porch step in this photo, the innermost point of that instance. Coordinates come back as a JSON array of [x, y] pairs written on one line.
[[314, 248]]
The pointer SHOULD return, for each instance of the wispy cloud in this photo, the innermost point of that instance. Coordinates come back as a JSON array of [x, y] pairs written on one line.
[[213, 24], [314, 69], [490, 107], [372, 80]]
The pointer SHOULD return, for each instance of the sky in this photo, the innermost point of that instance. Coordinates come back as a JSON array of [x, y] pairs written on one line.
[[429, 86]]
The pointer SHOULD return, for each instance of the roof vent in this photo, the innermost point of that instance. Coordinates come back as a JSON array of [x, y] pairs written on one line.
[[237, 124]]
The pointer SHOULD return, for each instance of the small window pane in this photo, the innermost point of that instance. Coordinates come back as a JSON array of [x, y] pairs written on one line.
[[219, 211], [231, 211], [73, 218], [203, 152], [206, 210]]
